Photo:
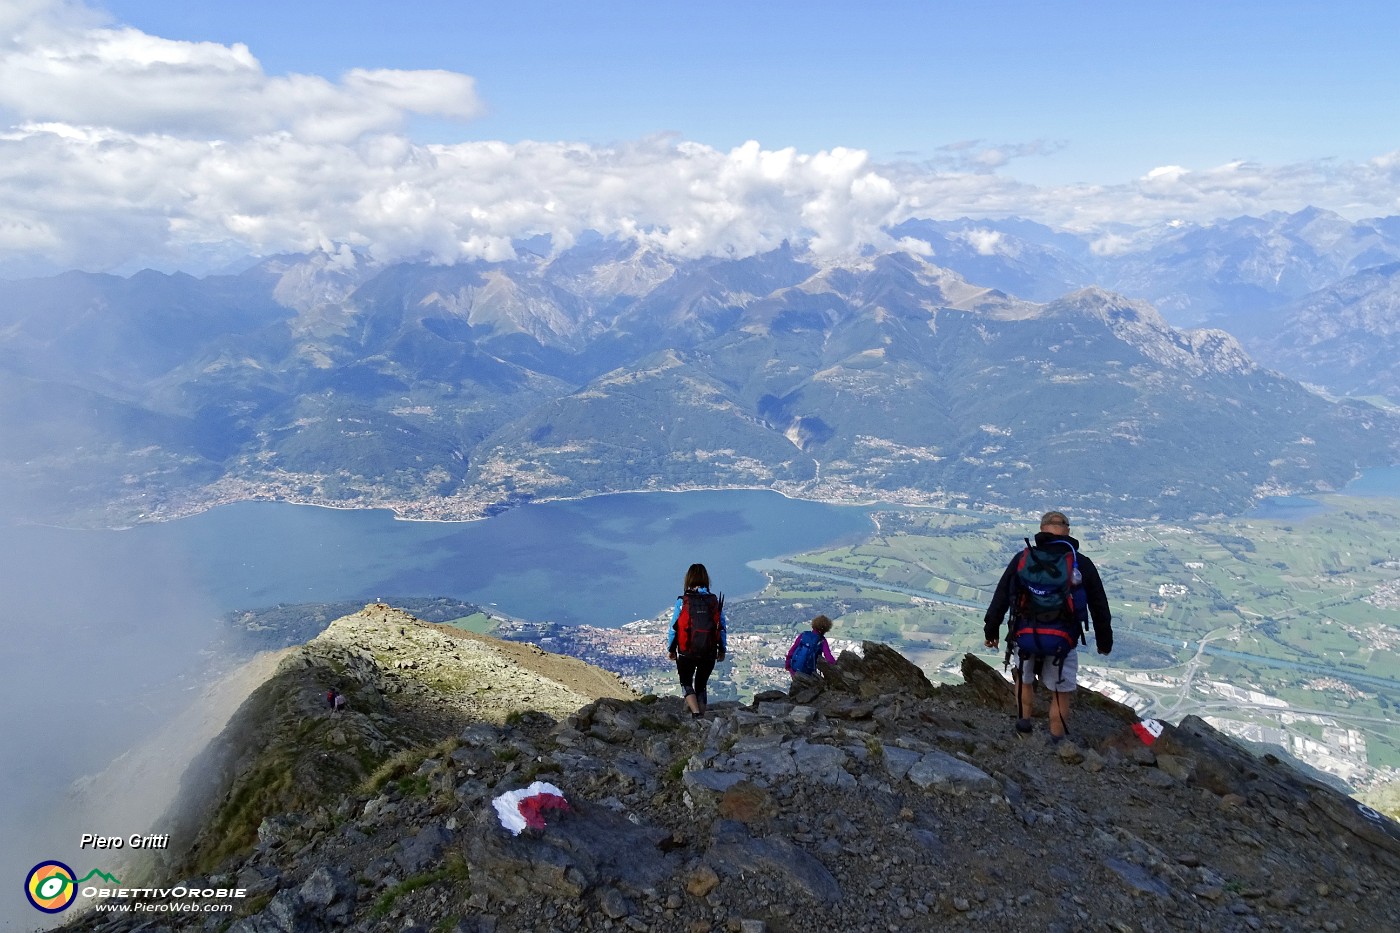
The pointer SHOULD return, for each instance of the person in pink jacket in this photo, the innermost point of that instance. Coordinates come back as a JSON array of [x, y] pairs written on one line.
[[808, 647]]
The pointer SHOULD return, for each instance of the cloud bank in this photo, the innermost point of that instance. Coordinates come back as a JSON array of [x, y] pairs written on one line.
[[119, 148]]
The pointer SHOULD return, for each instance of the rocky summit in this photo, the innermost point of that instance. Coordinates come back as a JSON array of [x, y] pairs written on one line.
[[864, 799]]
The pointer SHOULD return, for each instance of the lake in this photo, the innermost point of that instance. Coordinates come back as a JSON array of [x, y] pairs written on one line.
[[104, 629], [1383, 482], [602, 561]]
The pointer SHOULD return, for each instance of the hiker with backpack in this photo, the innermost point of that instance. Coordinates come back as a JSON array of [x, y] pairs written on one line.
[[698, 637], [1052, 591], [808, 647]]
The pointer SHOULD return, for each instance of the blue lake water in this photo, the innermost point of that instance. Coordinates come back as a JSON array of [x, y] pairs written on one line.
[[604, 561], [107, 622], [112, 615], [1383, 482]]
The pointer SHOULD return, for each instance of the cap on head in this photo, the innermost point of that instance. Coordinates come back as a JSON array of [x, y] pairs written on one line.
[[1054, 518]]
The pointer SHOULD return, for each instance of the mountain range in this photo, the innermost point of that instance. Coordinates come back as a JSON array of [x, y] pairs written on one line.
[[988, 369]]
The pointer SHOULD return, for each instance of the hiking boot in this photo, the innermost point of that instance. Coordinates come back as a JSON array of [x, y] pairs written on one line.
[[1023, 726]]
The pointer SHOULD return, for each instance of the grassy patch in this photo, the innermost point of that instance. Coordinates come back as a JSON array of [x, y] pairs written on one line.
[[676, 768], [400, 767], [288, 762], [454, 868], [478, 622]]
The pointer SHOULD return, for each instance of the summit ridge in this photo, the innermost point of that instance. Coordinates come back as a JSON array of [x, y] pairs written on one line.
[[863, 799]]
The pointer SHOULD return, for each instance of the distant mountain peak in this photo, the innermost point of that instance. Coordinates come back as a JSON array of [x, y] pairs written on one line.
[[1107, 306]]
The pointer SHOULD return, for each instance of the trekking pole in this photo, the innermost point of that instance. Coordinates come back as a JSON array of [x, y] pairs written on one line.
[[1015, 679]]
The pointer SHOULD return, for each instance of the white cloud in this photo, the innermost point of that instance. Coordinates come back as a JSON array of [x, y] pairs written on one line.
[[125, 147], [1111, 244], [985, 242], [59, 68]]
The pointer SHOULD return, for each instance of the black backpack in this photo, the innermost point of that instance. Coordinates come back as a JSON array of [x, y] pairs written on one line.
[[697, 629]]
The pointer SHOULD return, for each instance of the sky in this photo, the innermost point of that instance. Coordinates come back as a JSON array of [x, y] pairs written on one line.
[[187, 135]]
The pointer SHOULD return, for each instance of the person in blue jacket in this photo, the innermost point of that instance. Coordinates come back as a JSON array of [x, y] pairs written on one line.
[[698, 637]]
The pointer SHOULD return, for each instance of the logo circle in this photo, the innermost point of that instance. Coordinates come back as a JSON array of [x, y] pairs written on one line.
[[51, 887]]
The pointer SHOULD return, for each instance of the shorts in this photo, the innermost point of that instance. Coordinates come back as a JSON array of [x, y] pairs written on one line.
[[1058, 679]]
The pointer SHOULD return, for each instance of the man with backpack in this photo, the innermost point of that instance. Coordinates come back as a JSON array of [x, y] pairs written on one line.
[[1052, 591]]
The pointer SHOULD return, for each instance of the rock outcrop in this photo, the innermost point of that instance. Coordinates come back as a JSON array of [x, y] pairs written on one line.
[[867, 800], [406, 683]]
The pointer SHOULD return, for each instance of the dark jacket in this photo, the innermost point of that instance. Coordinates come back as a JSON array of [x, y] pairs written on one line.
[[1093, 592]]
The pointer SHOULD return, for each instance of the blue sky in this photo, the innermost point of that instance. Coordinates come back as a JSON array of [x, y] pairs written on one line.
[[1113, 90], [456, 126]]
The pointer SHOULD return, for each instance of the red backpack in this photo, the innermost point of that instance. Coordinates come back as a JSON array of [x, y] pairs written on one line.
[[697, 628]]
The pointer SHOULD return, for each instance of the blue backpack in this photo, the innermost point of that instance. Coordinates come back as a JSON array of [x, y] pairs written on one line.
[[1049, 609], [804, 656]]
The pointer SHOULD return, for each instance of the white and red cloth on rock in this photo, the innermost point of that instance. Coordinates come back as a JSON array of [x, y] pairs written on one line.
[[525, 808]]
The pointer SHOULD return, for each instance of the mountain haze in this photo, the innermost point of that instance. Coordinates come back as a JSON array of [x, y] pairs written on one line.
[[455, 391], [1345, 337]]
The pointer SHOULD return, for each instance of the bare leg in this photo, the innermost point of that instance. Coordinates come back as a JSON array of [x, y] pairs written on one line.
[[1059, 713], [1027, 699]]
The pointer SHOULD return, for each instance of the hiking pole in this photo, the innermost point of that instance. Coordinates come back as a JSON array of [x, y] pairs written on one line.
[[1022, 719]]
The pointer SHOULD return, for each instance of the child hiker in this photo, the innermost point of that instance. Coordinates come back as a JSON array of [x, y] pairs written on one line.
[[807, 647]]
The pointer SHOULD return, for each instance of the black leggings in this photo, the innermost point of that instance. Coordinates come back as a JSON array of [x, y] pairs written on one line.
[[694, 674]]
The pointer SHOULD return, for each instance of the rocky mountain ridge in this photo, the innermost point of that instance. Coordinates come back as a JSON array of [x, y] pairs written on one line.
[[863, 799]]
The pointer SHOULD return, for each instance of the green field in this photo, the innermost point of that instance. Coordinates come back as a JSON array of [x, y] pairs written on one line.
[[478, 622]]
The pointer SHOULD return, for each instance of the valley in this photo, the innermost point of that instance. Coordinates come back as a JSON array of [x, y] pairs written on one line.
[[1282, 632]]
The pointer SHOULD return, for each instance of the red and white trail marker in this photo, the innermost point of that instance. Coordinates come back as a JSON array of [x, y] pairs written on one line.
[[525, 808], [1149, 730]]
